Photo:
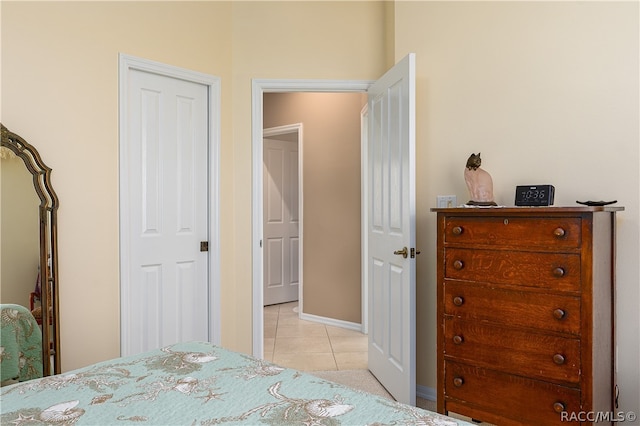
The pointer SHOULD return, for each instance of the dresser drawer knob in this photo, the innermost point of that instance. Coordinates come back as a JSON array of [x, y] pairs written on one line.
[[559, 314], [559, 232], [458, 264], [559, 407], [458, 381], [458, 301], [457, 230], [457, 339], [558, 359], [559, 272]]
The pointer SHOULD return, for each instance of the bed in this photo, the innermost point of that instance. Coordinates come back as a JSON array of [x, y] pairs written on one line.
[[196, 383]]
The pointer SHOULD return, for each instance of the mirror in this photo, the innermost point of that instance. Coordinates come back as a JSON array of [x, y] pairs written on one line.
[[29, 263]]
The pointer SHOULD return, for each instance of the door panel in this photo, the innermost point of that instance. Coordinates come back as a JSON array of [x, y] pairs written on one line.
[[167, 296], [390, 183], [281, 221]]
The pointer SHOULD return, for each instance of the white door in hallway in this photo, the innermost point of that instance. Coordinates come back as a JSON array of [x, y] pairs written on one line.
[[391, 268], [165, 292], [281, 221]]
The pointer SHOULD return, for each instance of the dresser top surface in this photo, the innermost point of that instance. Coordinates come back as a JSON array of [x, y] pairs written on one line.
[[474, 210]]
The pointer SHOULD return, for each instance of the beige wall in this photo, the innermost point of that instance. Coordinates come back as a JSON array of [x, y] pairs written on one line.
[[20, 233], [60, 92], [331, 194], [289, 40], [548, 91]]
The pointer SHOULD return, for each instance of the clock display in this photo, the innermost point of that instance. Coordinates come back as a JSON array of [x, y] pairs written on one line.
[[534, 195]]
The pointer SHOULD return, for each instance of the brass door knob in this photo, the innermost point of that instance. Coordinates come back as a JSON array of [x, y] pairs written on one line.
[[404, 252]]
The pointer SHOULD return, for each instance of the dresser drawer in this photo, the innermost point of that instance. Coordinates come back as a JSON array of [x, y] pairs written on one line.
[[482, 302], [534, 232], [508, 350], [554, 271], [523, 400]]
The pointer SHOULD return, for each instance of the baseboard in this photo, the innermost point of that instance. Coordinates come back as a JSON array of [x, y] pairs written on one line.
[[331, 321], [426, 392]]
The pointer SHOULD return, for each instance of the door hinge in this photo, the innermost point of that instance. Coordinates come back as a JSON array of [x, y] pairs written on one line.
[[204, 245]]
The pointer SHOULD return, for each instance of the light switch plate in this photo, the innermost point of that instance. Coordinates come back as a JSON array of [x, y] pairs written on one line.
[[445, 201]]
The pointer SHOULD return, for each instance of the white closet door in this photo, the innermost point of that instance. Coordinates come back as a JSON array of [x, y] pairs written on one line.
[[167, 296]]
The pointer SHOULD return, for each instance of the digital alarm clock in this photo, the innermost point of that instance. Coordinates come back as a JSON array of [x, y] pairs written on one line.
[[534, 195]]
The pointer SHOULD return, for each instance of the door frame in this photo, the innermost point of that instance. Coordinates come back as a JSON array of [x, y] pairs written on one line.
[[258, 88], [127, 63], [285, 130]]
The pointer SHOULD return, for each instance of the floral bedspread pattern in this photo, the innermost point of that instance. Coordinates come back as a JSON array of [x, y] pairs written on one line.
[[20, 344], [197, 383]]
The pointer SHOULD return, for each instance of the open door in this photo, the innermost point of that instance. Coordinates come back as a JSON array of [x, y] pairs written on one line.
[[391, 230]]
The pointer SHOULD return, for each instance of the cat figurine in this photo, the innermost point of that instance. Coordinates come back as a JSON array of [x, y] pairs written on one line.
[[479, 183]]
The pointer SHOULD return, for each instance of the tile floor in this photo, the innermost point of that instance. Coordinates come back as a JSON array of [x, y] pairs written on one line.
[[309, 346]]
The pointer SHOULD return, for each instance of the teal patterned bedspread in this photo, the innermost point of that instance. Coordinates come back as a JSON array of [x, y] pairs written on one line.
[[197, 383], [20, 344]]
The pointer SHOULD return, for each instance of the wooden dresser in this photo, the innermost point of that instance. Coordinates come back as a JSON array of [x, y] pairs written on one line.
[[525, 313]]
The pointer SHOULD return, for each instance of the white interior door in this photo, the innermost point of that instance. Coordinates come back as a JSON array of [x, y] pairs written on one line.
[[165, 292], [390, 183], [281, 221]]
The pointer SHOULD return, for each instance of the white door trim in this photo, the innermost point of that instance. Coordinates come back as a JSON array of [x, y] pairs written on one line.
[[364, 202], [283, 130], [258, 88], [126, 64]]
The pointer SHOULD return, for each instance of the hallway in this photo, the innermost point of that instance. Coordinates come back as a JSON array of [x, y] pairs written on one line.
[[309, 346]]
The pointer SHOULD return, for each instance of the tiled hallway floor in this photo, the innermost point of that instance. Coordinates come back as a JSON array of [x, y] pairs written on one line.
[[309, 346]]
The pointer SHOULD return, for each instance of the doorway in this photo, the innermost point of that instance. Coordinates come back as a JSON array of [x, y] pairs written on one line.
[[280, 87], [389, 181], [312, 331], [328, 215]]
